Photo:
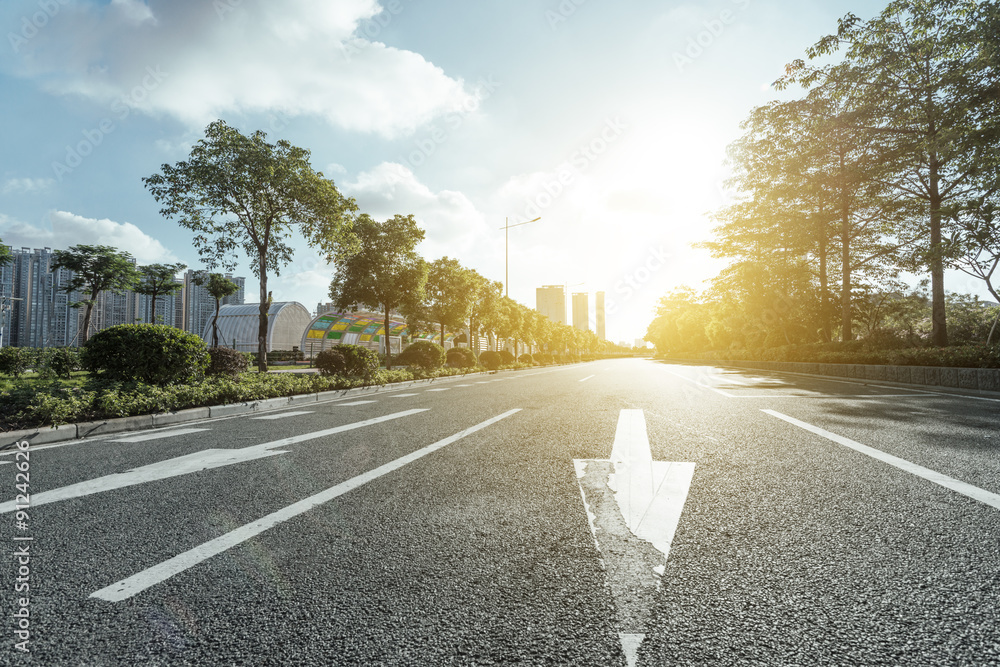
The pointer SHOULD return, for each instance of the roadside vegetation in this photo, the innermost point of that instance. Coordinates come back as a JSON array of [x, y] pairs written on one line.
[[174, 371], [883, 172]]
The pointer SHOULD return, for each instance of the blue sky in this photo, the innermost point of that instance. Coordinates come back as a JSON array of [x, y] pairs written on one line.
[[608, 120]]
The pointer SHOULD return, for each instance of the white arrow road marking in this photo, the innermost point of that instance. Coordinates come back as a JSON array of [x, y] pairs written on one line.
[[156, 435], [126, 588], [183, 465], [633, 505], [297, 413], [966, 489]]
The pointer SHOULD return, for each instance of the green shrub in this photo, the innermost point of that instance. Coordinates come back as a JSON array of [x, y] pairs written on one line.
[[526, 359], [152, 353], [60, 361], [506, 358], [331, 362], [360, 362], [225, 361], [491, 360], [422, 354], [460, 357], [543, 358], [285, 355], [16, 361]]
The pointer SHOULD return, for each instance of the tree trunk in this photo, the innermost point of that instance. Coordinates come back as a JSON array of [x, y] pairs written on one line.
[[939, 325], [824, 289], [152, 309], [846, 329], [262, 318], [215, 324], [385, 337], [442, 334]]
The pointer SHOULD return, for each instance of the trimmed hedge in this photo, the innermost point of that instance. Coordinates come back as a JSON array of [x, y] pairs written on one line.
[[460, 357], [855, 352], [152, 353], [490, 360], [422, 354], [526, 359], [225, 361], [331, 362], [506, 357], [349, 360]]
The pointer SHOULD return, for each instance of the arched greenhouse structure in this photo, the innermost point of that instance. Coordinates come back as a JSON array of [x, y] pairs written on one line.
[[238, 326]]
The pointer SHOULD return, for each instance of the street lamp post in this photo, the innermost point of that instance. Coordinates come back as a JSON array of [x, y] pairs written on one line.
[[506, 251]]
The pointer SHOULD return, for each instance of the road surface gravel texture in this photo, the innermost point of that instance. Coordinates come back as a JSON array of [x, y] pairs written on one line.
[[849, 524]]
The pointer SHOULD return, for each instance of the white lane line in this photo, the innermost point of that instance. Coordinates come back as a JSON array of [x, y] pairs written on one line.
[[700, 384], [463, 385], [585, 379], [356, 403], [183, 465], [126, 588], [401, 395], [441, 389], [297, 413], [484, 382], [155, 435], [974, 492]]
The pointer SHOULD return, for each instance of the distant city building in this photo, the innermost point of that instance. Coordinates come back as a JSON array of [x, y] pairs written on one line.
[[599, 306], [199, 305], [581, 311], [550, 301], [38, 308], [324, 308], [35, 308]]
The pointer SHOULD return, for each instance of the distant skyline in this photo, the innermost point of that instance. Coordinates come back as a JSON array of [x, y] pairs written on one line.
[[609, 121]]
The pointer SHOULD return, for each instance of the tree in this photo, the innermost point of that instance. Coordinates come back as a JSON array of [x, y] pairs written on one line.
[[239, 192], [449, 294], [95, 269], [484, 309], [386, 273], [5, 255], [923, 77], [219, 287], [158, 280]]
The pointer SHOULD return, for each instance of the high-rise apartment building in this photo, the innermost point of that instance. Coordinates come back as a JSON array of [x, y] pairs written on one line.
[[550, 301], [581, 311], [199, 305], [39, 314], [35, 308], [601, 316]]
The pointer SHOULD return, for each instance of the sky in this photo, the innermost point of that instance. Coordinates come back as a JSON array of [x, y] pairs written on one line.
[[609, 121]]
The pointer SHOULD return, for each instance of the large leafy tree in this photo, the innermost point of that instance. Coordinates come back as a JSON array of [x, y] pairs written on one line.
[[923, 79], [156, 280], [485, 307], [218, 287], [238, 192], [386, 273], [96, 269], [449, 292], [5, 255]]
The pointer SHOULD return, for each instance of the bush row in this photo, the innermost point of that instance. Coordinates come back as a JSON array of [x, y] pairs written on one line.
[[963, 356]]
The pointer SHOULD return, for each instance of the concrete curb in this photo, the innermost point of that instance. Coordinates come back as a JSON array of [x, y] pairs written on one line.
[[985, 381], [66, 432]]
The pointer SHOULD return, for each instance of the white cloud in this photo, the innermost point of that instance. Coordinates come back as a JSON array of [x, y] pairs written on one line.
[[26, 185], [68, 229], [453, 225], [197, 61]]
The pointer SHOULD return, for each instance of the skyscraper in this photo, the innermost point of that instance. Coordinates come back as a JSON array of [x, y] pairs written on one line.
[[550, 301], [41, 315], [199, 305], [581, 311], [599, 305]]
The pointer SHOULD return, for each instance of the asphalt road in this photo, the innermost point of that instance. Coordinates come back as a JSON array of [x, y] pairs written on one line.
[[468, 522]]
